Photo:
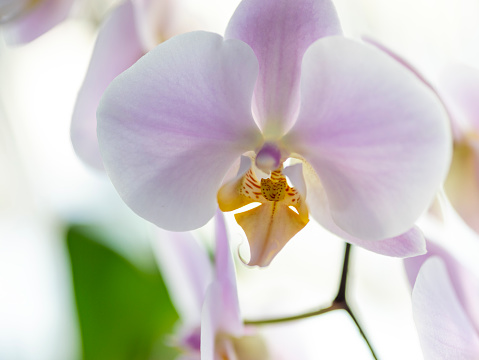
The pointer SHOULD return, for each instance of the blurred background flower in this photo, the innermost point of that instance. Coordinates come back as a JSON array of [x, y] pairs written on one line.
[[444, 299]]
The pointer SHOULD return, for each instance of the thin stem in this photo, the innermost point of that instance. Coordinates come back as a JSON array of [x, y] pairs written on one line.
[[349, 311], [339, 303], [341, 296], [295, 317]]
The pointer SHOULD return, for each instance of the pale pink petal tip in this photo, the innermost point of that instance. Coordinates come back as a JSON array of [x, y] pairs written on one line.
[[117, 48]]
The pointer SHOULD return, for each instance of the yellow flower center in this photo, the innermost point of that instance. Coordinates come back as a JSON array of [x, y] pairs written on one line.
[[273, 191]]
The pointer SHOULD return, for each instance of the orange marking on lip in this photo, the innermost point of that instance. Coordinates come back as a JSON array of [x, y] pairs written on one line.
[[256, 185]]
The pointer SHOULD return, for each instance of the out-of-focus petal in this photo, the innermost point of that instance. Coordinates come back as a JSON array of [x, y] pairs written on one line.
[[188, 357], [444, 330], [250, 347], [37, 21], [459, 87], [11, 9], [187, 271], [462, 182], [377, 137], [117, 48], [170, 127], [280, 31], [210, 321], [152, 21], [231, 320], [465, 284]]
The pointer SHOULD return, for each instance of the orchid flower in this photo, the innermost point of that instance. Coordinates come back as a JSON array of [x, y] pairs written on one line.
[[23, 21], [364, 143], [444, 301], [206, 299], [459, 87]]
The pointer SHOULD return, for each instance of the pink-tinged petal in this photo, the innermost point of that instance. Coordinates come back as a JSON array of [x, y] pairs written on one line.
[[456, 130], [187, 271], [279, 32], [117, 48], [444, 330], [399, 59], [378, 138], [37, 21], [464, 283], [459, 87], [411, 243], [462, 183], [170, 127], [231, 320]]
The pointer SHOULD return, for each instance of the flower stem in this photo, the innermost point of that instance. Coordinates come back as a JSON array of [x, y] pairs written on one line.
[[339, 303], [295, 317], [361, 331], [341, 296]]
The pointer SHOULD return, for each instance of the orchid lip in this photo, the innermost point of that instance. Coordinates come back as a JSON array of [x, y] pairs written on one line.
[[273, 223]]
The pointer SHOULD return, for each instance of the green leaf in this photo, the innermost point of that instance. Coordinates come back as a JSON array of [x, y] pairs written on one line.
[[124, 312]]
